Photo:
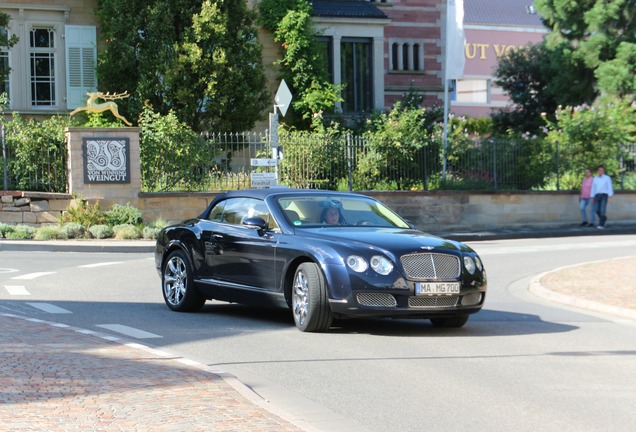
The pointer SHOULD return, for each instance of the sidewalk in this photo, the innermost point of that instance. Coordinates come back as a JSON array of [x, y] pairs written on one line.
[[58, 378]]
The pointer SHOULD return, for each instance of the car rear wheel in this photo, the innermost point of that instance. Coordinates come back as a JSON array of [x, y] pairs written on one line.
[[179, 292], [310, 305], [452, 322]]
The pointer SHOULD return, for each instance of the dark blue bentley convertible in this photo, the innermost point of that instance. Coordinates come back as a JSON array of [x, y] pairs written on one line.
[[323, 254]]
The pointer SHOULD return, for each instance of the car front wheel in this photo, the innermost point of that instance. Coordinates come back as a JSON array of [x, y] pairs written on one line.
[[452, 322], [179, 292], [310, 305]]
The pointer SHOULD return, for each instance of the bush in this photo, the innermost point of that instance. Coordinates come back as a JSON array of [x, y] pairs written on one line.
[[123, 214], [101, 231], [5, 229], [21, 232], [49, 232], [81, 212], [126, 232], [159, 223], [150, 233], [73, 230]]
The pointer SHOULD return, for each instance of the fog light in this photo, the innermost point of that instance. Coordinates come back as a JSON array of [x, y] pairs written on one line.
[[471, 299]]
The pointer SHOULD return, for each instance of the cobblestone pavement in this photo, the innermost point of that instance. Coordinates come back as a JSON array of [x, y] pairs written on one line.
[[62, 379], [604, 286]]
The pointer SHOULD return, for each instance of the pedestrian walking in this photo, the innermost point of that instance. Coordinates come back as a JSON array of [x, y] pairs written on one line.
[[601, 191], [585, 199]]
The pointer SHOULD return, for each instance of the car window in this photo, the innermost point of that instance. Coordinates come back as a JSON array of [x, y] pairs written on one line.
[[217, 212], [235, 210], [324, 210]]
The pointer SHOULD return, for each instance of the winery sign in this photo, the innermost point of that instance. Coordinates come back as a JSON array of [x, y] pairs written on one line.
[[106, 160]]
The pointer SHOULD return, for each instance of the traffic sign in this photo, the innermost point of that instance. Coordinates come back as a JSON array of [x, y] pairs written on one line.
[[263, 179], [264, 162], [283, 97]]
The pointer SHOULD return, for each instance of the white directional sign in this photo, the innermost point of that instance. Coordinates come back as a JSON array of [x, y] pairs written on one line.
[[264, 162], [263, 179], [283, 97]]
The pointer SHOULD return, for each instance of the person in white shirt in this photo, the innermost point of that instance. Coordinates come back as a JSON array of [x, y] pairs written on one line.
[[601, 191]]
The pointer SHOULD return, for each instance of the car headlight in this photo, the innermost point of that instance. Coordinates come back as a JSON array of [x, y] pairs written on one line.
[[357, 263], [480, 266], [469, 263], [381, 265]]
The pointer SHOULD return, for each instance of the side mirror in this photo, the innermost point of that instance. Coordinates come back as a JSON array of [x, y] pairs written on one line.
[[255, 222]]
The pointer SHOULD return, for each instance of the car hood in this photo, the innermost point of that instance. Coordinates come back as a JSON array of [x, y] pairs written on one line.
[[398, 241]]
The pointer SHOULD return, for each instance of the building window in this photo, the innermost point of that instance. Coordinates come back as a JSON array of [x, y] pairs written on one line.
[[356, 74], [4, 64], [325, 52], [42, 63], [406, 55], [471, 91]]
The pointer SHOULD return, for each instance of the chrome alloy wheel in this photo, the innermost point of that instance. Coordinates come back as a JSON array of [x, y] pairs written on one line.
[[300, 300], [175, 279]]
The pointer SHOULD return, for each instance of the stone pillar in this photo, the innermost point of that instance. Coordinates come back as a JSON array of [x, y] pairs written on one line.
[[104, 164]]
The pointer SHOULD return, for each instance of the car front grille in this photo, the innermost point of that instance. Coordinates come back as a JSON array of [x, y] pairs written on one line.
[[433, 301], [376, 299], [427, 266]]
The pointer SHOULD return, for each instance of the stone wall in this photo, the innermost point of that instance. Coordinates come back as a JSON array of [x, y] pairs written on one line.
[[429, 211], [32, 208]]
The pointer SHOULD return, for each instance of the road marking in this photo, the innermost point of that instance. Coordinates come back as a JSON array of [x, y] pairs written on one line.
[[129, 331], [30, 276], [8, 270], [102, 264], [17, 290], [485, 249], [49, 308]]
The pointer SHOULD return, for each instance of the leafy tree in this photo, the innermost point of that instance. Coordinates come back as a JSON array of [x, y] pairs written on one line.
[[5, 42], [302, 65], [538, 78], [594, 135], [200, 59], [602, 33]]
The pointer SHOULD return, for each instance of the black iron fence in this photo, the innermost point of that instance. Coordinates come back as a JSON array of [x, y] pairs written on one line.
[[361, 162], [224, 161], [33, 162]]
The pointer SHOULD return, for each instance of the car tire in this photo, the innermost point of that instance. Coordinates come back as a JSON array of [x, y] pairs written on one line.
[[310, 305], [177, 286], [452, 322]]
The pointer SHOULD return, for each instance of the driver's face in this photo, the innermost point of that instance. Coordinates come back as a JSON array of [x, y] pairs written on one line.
[[332, 217]]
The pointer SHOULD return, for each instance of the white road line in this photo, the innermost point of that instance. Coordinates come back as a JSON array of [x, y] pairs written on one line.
[[8, 270], [17, 290], [102, 264], [49, 308], [30, 276], [129, 331]]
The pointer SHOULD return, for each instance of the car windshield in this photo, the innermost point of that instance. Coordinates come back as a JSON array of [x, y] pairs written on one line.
[[334, 210]]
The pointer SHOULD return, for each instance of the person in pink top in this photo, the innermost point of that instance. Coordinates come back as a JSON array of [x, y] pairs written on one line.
[[585, 199]]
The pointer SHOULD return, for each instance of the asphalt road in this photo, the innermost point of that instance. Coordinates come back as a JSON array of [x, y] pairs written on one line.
[[521, 364]]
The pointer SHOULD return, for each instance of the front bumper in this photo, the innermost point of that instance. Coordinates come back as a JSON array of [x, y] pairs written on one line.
[[359, 296]]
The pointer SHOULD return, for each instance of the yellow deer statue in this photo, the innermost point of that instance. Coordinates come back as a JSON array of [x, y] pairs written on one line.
[[93, 106]]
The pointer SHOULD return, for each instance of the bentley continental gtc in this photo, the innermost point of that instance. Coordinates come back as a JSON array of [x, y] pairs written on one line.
[[323, 255]]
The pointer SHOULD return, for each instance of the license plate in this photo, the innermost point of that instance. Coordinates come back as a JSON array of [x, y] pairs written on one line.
[[423, 288]]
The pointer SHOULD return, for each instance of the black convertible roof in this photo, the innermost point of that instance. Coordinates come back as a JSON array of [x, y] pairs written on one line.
[[263, 193]]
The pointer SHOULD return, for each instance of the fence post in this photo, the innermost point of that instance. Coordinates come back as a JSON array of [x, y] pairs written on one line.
[[4, 156], [425, 159], [349, 162], [494, 163], [558, 167]]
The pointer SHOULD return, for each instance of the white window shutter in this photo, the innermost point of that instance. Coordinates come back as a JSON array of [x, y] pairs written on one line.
[[81, 63]]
